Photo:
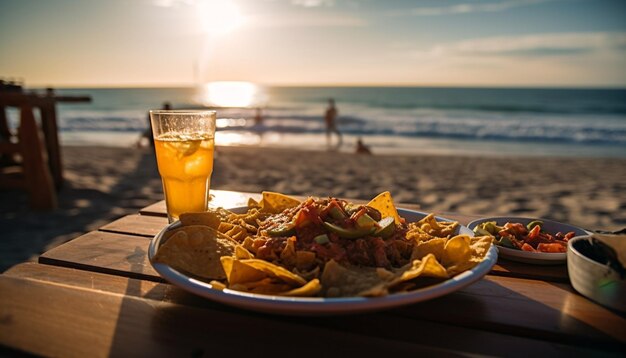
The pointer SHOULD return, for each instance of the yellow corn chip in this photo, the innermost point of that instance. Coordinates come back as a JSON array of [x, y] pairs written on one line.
[[277, 202], [209, 218], [238, 272], [427, 267], [311, 288], [275, 271], [242, 253], [433, 246], [197, 250], [384, 204], [344, 281], [266, 286], [457, 253]]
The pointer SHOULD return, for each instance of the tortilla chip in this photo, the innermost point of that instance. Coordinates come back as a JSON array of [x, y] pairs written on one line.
[[433, 246], [253, 203], [384, 204], [479, 246], [196, 249], [311, 288], [275, 202], [218, 285], [275, 271], [266, 286], [431, 226], [238, 272], [456, 251], [344, 281], [235, 232], [208, 218], [426, 267], [242, 253]]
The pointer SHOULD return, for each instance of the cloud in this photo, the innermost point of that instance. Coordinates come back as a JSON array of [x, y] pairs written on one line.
[[466, 8], [538, 45], [313, 3], [172, 3], [294, 20]]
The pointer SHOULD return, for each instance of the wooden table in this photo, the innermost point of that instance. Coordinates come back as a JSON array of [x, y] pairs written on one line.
[[98, 295]]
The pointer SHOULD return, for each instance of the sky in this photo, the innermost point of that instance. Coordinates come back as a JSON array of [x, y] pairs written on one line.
[[138, 43]]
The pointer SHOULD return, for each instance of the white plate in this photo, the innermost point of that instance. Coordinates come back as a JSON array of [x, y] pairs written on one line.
[[537, 258], [322, 306]]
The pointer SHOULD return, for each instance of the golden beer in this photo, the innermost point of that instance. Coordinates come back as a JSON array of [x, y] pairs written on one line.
[[184, 141], [185, 164]]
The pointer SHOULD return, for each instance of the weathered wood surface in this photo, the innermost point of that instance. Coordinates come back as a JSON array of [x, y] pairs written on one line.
[[124, 318]]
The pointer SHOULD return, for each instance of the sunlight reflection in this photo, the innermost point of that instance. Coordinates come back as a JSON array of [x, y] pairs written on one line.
[[230, 122], [230, 94], [237, 138], [226, 199]]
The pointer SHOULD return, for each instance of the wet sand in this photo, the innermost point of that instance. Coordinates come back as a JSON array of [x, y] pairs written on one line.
[[103, 184]]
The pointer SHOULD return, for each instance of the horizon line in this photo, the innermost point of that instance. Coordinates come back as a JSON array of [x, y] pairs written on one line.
[[331, 85]]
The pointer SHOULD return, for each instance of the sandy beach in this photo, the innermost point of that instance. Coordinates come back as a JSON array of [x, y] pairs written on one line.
[[103, 184]]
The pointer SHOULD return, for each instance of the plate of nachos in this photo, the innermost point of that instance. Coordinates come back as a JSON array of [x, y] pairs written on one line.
[[319, 255]]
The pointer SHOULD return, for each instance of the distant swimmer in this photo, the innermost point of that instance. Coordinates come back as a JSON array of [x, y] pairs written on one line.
[[258, 117], [362, 148], [331, 123]]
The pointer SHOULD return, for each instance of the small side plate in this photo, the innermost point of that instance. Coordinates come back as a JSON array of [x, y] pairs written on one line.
[[536, 258]]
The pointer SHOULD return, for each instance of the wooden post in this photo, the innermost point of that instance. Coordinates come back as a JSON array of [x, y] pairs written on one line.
[[51, 135], [36, 172]]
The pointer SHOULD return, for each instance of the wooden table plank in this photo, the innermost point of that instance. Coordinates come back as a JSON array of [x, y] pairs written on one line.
[[110, 253], [505, 304], [527, 308], [101, 324], [141, 225], [109, 283], [553, 273]]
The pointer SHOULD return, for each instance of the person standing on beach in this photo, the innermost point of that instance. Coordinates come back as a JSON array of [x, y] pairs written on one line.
[[331, 123], [147, 134]]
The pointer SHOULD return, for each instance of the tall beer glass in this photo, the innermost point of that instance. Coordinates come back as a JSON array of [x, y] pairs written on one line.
[[184, 141]]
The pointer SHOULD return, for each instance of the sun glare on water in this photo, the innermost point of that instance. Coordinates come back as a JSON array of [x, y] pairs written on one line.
[[230, 94]]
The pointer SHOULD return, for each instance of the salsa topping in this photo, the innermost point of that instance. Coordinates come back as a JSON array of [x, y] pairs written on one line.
[[336, 230], [530, 237]]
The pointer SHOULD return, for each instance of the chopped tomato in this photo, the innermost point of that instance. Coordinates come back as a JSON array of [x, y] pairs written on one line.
[[308, 214], [551, 248], [534, 233]]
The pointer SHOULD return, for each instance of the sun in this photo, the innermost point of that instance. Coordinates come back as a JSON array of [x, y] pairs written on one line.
[[219, 17]]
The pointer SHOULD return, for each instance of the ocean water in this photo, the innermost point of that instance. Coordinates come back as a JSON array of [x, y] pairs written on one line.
[[468, 121]]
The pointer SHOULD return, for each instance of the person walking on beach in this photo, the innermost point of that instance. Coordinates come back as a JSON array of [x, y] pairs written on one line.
[[331, 123]]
